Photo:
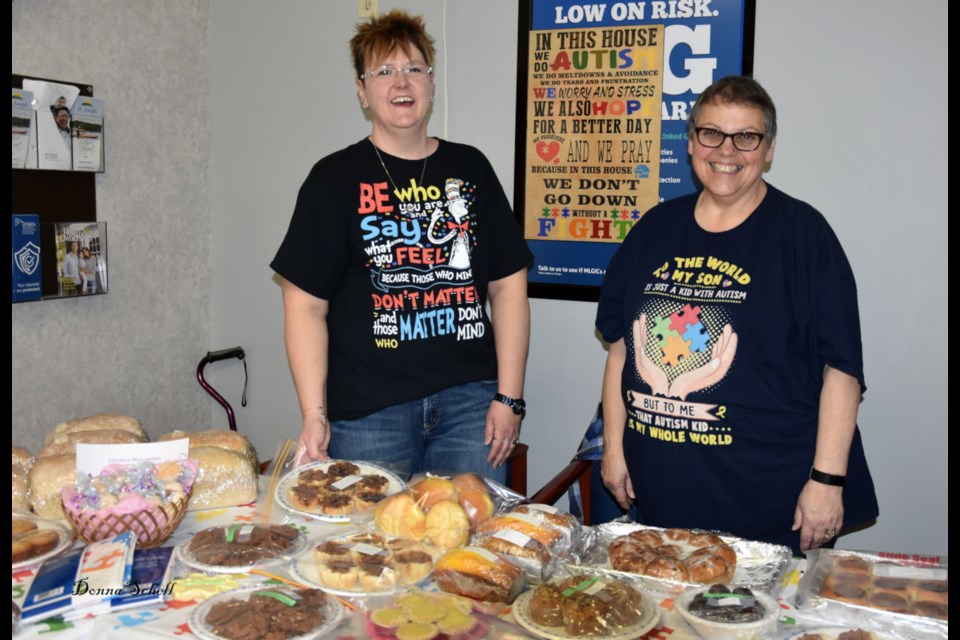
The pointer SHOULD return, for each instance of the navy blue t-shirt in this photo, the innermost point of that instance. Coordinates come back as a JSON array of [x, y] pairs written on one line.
[[727, 335]]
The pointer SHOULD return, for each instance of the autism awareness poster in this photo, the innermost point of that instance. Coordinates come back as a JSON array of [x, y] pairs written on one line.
[[603, 96]]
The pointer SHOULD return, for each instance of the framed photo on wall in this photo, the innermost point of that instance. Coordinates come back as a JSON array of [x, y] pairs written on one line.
[[603, 93]]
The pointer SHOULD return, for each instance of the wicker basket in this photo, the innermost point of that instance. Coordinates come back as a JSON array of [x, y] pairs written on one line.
[[152, 525]]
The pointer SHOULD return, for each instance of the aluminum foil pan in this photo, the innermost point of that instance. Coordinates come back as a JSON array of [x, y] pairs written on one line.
[[760, 565], [821, 564]]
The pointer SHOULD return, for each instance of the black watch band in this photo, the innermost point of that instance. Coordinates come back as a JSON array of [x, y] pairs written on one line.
[[517, 405], [826, 478]]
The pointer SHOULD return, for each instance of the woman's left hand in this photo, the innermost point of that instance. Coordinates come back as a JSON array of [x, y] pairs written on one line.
[[819, 514], [503, 428]]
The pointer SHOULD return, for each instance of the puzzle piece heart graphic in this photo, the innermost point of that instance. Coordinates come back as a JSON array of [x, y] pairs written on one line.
[[548, 150]]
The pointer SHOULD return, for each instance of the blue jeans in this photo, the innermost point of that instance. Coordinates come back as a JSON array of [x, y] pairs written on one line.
[[442, 433]]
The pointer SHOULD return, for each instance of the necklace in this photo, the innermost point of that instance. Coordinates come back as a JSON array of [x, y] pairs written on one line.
[[423, 171]]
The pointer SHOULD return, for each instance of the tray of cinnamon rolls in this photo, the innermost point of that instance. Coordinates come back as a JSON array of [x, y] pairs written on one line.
[[671, 560]]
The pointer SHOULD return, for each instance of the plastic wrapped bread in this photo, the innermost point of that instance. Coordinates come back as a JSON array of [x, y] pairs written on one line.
[[46, 478], [23, 458], [67, 442], [20, 494], [223, 438], [479, 574], [226, 479], [99, 422]]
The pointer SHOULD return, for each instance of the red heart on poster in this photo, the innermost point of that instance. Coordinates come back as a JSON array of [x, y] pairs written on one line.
[[548, 150]]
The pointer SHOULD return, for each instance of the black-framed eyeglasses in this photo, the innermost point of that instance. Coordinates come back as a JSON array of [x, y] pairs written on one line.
[[743, 140]]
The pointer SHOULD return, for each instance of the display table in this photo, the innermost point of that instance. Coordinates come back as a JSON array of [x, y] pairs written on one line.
[[171, 619]]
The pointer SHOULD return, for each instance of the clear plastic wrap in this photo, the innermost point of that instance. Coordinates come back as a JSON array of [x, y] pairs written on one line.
[[900, 593], [536, 524], [241, 547], [728, 612], [759, 565], [336, 490], [479, 574], [365, 562], [430, 614], [594, 605]]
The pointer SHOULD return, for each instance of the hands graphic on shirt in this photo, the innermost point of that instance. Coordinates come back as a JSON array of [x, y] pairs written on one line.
[[700, 378]]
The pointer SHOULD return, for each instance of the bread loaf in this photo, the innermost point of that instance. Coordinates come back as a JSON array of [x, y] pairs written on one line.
[[99, 422], [20, 494], [226, 479], [46, 478], [23, 458], [479, 574], [223, 438], [67, 442]]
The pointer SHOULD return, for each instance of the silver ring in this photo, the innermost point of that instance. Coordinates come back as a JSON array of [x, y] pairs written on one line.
[[829, 533], [515, 442]]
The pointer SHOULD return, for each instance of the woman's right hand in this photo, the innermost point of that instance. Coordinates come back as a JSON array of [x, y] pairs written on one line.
[[314, 439], [613, 471]]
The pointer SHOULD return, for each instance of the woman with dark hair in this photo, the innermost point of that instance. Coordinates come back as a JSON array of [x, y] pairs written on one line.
[[735, 370]]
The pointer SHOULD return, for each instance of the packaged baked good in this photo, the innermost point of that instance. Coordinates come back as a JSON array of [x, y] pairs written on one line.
[[223, 438], [66, 443], [99, 422], [586, 606], [623, 547], [23, 458], [365, 562], [479, 574], [528, 553], [422, 614], [275, 612], [236, 547], [20, 493], [46, 478], [225, 479], [904, 593]]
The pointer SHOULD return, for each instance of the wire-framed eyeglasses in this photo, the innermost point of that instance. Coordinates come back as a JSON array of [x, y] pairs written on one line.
[[387, 72], [743, 140]]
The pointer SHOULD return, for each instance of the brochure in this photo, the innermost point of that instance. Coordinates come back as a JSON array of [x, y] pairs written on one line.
[[24, 132], [53, 102], [149, 583], [87, 117], [85, 577], [26, 257], [81, 258]]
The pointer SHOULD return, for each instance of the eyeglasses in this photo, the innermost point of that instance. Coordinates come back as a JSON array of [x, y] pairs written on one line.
[[744, 140], [387, 72]]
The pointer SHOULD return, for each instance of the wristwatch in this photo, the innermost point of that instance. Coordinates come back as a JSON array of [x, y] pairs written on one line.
[[517, 405]]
